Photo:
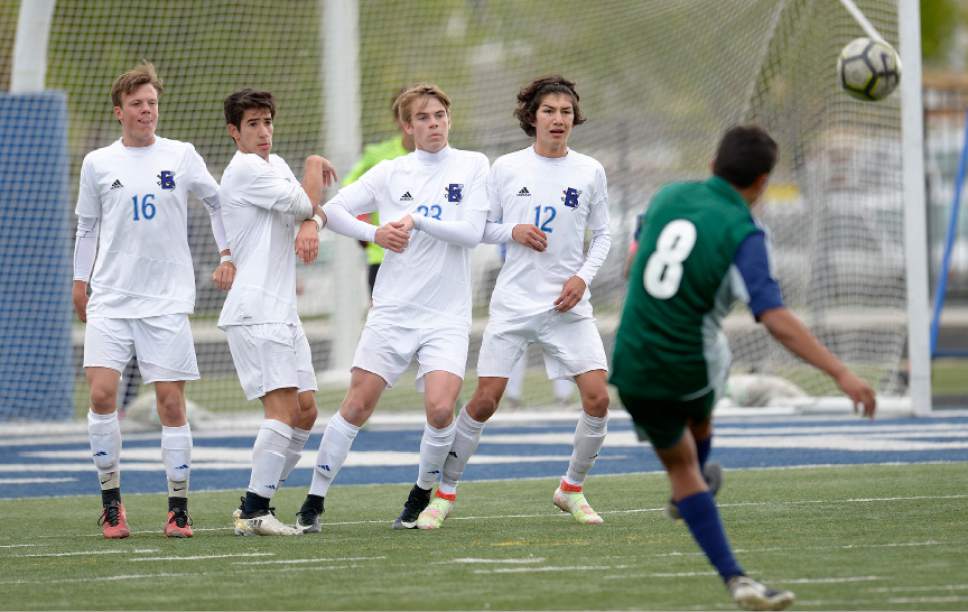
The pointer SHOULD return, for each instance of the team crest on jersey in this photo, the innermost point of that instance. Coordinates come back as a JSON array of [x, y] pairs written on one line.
[[455, 192], [570, 197], [166, 179]]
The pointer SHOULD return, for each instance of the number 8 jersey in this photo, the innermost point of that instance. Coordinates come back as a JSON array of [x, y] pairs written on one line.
[[562, 196], [700, 250], [139, 195]]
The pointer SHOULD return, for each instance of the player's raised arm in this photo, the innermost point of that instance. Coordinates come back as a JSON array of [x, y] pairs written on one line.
[[358, 198], [318, 174]]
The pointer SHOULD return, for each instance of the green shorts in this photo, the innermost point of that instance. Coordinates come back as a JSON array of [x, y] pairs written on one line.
[[661, 421]]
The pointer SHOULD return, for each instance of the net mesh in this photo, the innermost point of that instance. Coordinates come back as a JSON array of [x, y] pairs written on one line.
[[659, 81]]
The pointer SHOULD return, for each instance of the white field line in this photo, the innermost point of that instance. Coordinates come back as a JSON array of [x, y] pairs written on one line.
[[550, 568], [913, 589], [832, 580], [102, 578], [13, 481], [659, 575], [917, 600], [300, 561], [87, 553], [473, 560], [203, 557], [20, 545]]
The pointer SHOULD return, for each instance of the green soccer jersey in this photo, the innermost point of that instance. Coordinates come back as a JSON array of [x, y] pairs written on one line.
[[682, 283]]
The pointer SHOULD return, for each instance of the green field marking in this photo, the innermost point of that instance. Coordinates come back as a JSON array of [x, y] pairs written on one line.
[[857, 537]]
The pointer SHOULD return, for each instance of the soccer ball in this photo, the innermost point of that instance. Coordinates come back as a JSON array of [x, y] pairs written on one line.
[[869, 69]]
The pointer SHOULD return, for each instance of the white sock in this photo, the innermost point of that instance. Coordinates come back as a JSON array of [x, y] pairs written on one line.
[[176, 453], [589, 437], [294, 452], [434, 446], [333, 450], [104, 432], [466, 439], [269, 457]]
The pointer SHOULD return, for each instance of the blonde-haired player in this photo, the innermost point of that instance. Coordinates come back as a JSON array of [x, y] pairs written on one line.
[[434, 204]]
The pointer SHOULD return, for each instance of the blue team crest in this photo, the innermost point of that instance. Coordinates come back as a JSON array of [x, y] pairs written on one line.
[[166, 179], [455, 192], [570, 197]]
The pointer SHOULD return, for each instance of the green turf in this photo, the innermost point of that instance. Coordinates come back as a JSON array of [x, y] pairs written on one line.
[[858, 537]]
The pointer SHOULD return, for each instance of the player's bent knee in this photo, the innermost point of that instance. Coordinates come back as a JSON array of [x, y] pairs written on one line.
[[103, 399], [482, 407], [307, 412], [596, 404], [440, 415]]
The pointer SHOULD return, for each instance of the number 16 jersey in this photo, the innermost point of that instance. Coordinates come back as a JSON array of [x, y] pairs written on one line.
[[140, 197]]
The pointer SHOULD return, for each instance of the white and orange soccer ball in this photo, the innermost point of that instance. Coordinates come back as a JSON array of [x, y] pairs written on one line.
[[869, 69]]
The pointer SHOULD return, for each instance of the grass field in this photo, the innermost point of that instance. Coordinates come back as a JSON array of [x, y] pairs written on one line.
[[858, 537]]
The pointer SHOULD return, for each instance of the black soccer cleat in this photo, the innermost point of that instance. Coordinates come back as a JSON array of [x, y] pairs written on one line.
[[416, 502], [307, 519]]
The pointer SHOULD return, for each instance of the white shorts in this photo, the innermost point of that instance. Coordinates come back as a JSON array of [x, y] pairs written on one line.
[[571, 344], [163, 345], [387, 350], [270, 356]]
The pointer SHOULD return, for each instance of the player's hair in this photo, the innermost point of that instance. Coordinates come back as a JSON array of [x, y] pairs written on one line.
[[745, 153], [403, 104], [237, 103], [530, 96], [142, 74]]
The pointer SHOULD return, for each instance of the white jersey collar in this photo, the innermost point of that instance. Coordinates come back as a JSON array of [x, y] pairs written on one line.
[[427, 157]]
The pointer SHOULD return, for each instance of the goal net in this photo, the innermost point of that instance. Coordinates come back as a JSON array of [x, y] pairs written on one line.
[[660, 81]]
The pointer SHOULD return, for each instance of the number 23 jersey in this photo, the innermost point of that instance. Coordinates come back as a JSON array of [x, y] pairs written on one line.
[[140, 195], [562, 196]]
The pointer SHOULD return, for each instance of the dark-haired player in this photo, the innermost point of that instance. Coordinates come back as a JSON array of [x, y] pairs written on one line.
[[699, 251], [543, 199]]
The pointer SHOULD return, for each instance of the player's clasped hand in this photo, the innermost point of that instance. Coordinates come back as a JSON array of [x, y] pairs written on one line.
[[571, 293], [530, 236], [307, 242], [394, 236], [223, 275]]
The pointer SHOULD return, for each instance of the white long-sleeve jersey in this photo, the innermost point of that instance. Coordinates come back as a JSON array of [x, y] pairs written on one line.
[[563, 196], [429, 284]]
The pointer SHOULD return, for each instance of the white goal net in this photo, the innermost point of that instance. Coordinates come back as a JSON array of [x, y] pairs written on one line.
[[659, 81]]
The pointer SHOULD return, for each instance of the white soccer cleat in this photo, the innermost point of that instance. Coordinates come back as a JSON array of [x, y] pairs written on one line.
[[570, 499], [262, 525], [434, 514], [751, 595]]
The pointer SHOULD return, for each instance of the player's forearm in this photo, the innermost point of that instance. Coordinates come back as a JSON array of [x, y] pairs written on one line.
[[497, 233], [466, 233], [343, 222], [85, 248], [794, 335], [597, 253], [218, 227], [312, 181]]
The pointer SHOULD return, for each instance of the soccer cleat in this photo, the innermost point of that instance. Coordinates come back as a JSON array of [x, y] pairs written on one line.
[[570, 499], [179, 524], [114, 521], [751, 595], [307, 519], [415, 504], [434, 514], [713, 475], [262, 523]]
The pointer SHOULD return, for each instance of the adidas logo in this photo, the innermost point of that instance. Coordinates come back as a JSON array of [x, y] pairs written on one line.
[[452, 454], [101, 453], [323, 467], [406, 197], [116, 184], [183, 466], [524, 193], [434, 472]]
